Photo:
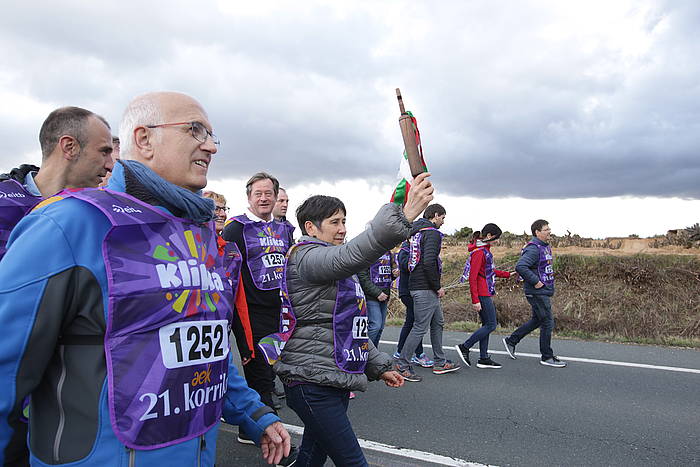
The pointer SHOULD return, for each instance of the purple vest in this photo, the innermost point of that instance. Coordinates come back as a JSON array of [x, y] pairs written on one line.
[[233, 261], [414, 249], [15, 203], [490, 273], [380, 272], [290, 228], [545, 268], [350, 337], [266, 243], [168, 322]]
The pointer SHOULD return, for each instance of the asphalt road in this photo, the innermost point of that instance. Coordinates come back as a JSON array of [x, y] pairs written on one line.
[[526, 414]]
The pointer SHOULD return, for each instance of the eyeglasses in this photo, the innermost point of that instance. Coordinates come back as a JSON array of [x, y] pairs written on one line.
[[221, 208], [199, 131]]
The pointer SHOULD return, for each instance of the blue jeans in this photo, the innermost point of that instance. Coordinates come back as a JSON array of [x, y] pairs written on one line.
[[541, 318], [407, 325], [327, 428], [376, 315], [488, 324]]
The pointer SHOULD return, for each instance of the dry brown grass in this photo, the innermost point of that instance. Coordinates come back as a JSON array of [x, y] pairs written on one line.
[[640, 298]]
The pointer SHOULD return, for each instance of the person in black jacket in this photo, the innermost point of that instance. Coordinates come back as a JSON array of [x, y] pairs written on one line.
[[424, 284]]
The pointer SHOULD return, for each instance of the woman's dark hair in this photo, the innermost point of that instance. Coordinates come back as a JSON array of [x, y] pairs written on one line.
[[316, 209], [489, 228]]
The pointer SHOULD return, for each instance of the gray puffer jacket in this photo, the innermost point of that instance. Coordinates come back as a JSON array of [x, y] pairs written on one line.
[[312, 275]]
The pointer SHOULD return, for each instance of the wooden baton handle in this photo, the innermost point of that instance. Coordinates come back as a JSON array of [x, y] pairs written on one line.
[[409, 139]]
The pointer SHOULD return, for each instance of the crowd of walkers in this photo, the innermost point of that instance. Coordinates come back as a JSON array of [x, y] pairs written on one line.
[[122, 282]]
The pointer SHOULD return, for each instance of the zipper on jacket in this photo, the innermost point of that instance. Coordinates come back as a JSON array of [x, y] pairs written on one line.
[[132, 457], [201, 445], [61, 413]]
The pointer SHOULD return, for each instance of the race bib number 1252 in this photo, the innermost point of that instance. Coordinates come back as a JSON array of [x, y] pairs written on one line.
[[193, 342]]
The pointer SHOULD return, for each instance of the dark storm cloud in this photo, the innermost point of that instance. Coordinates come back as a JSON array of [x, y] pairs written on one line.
[[510, 102]]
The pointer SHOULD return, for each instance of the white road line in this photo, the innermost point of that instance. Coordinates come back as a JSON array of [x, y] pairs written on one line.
[[387, 449], [583, 360]]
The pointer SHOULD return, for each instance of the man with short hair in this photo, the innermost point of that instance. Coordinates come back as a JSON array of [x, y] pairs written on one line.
[[76, 152], [535, 266], [424, 284], [115, 158], [75, 147], [280, 212], [119, 329], [263, 243]]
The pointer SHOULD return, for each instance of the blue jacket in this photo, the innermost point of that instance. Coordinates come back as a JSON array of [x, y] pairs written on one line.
[[53, 282], [527, 268]]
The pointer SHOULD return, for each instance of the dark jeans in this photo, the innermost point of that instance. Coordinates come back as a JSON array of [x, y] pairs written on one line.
[[327, 428], [488, 322], [407, 325], [541, 318]]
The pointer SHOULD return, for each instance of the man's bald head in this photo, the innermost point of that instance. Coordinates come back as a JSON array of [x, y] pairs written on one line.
[[157, 129]]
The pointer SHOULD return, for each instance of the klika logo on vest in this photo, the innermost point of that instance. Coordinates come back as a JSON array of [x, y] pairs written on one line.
[[202, 287], [270, 240]]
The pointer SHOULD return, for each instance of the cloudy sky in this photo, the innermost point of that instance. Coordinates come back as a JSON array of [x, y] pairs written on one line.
[[584, 113]]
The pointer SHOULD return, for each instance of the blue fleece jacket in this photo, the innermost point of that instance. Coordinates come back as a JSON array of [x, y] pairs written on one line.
[[50, 251]]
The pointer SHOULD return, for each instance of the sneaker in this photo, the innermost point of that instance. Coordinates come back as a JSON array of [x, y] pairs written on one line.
[[463, 353], [276, 404], [352, 395], [396, 356], [510, 348], [554, 361], [409, 375], [423, 361], [290, 459], [487, 363], [447, 367], [243, 438]]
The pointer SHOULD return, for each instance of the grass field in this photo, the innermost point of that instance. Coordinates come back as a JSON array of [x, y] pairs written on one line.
[[641, 298]]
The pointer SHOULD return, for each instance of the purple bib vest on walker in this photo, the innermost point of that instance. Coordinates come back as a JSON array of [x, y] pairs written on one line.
[[414, 249], [233, 262], [266, 243], [168, 321], [290, 229], [350, 337], [380, 272], [489, 271], [545, 268], [15, 203]]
